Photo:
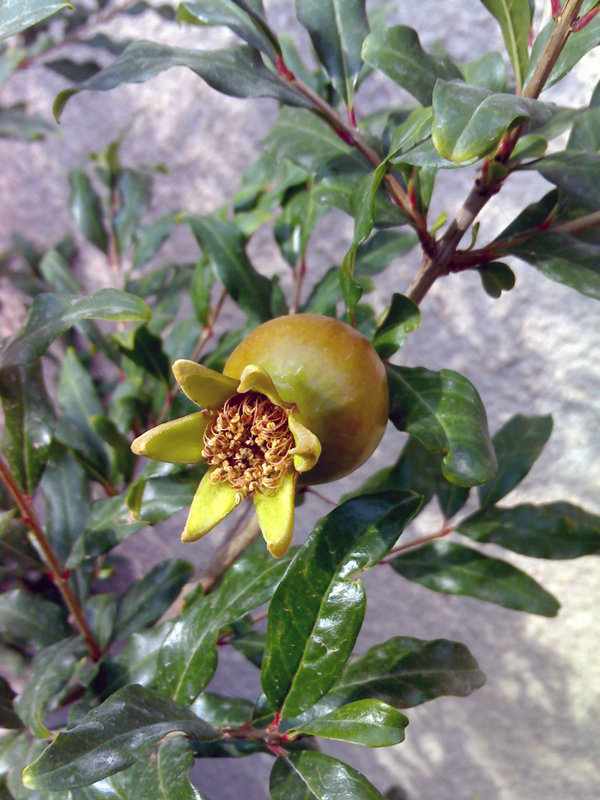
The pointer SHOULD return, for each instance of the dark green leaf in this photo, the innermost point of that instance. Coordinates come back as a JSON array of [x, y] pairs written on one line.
[[337, 30], [488, 71], [238, 71], [468, 121], [224, 244], [67, 498], [554, 530], [576, 173], [315, 776], [585, 133], [397, 51], [150, 238], [514, 18], [18, 15], [145, 350], [496, 278], [75, 71], [378, 252], [102, 41], [52, 669], [101, 611], [518, 445], [86, 209], [134, 192], [29, 423], [56, 272], [294, 227], [368, 722], [111, 738], [188, 657], [8, 717], [445, 413], [30, 620], [147, 599], [251, 646], [577, 45], [317, 611], [453, 569], [403, 316], [221, 711], [124, 459], [16, 123], [50, 316]]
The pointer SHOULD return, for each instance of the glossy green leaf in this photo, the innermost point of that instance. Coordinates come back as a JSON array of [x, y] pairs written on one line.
[[381, 249], [488, 72], [147, 599], [74, 71], [111, 738], [317, 610], [29, 423], [67, 497], [368, 722], [575, 172], [294, 227], [518, 445], [52, 669], [145, 350], [397, 52], [444, 412], [496, 278], [188, 657], [100, 612], [124, 459], [337, 30], [468, 121], [453, 569], [30, 620], [134, 191], [514, 18], [16, 123], [9, 719], [415, 128], [238, 71], [244, 17], [224, 244], [150, 238], [577, 45], [553, 530], [315, 776], [50, 316], [18, 15], [402, 318], [86, 209]]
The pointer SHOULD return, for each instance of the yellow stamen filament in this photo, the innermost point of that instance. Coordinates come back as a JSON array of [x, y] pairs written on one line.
[[249, 444]]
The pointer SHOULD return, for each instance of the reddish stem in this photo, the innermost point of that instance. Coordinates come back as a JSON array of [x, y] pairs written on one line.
[[581, 23], [556, 8]]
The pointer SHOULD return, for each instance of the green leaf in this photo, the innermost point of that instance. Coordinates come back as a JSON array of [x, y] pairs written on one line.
[[317, 611], [52, 669], [50, 316], [337, 30], [238, 72], [294, 227], [74, 71], [315, 776], [488, 72], [150, 238], [28, 619], [378, 252], [111, 738], [398, 53], [309, 142], [67, 497], [367, 722], [247, 21], [147, 599], [468, 121], [86, 209], [514, 18], [101, 611], [444, 412], [402, 318], [224, 244], [124, 459], [8, 717], [134, 192], [518, 445], [575, 172], [577, 45], [188, 657], [18, 15], [29, 423], [554, 530], [453, 569], [496, 278], [16, 123], [145, 350]]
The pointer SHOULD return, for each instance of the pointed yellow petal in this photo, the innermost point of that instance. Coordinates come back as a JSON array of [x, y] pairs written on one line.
[[308, 448], [205, 387], [276, 515], [211, 504], [179, 441], [255, 379]]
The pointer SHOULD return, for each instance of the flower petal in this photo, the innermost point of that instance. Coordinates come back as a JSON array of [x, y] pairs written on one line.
[[276, 515], [308, 448], [211, 504], [204, 386], [179, 441], [255, 379]]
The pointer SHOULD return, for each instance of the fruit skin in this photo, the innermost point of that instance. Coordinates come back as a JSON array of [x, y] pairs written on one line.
[[335, 378]]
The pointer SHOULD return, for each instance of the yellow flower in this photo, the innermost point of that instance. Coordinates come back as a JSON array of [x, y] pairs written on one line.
[[294, 384]]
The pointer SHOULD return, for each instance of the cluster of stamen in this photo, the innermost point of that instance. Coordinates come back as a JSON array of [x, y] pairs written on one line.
[[249, 445]]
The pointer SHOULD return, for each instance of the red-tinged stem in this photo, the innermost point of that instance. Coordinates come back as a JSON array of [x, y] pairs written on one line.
[[416, 543], [556, 6], [581, 23], [59, 576]]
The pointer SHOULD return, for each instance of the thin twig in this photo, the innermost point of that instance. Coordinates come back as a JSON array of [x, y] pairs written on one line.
[[416, 543], [324, 498], [59, 577], [207, 330]]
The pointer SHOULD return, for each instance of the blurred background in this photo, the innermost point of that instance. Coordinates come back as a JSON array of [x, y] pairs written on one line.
[[532, 730]]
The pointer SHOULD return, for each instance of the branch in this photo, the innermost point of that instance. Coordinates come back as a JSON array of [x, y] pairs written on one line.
[[60, 578], [207, 330], [416, 543], [485, 188]]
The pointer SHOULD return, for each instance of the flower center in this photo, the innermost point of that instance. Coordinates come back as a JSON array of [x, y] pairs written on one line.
[[249, 443]]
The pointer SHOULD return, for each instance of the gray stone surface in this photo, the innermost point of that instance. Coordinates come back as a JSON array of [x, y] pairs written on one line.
[[530, 732]]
